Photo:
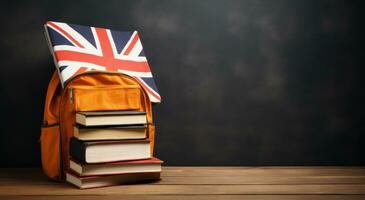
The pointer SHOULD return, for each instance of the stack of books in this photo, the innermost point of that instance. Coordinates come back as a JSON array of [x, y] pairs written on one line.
[[111, 148]]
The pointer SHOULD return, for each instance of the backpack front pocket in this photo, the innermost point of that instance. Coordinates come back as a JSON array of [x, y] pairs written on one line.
[[97, 98], [50, 149]]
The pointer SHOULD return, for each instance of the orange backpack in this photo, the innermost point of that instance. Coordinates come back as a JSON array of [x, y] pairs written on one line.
[[89, 91]]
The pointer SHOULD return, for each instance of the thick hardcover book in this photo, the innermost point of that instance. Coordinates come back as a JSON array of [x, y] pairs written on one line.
[[110, 132], [111, 118], [109, 180], [109, 150], [77, 49], [134, 166]]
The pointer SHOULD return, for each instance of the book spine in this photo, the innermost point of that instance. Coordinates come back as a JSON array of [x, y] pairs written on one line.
[[77, 150]]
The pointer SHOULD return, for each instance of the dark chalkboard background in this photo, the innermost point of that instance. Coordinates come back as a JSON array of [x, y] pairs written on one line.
[[243, 82]]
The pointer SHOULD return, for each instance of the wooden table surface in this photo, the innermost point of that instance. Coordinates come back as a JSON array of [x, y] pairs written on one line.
[[209, 183]]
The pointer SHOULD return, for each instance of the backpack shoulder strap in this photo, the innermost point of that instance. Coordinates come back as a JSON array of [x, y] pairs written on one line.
[[51, 106]]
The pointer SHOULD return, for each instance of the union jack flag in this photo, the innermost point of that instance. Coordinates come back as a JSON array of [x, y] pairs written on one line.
[[77, 49]]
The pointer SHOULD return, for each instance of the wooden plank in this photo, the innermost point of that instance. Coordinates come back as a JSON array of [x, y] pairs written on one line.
[[61, 189], [197, 182], [216, 180], [261, 180], [192, 197], [269, 171], [36, 177], [228, 171]]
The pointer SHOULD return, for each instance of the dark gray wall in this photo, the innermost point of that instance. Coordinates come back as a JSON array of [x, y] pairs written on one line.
[[243, 82]]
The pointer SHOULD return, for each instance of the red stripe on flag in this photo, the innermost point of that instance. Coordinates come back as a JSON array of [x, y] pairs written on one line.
[[53, 25], [81, 70], [147, 89], [110, 63], [104, 41], [131, 45]]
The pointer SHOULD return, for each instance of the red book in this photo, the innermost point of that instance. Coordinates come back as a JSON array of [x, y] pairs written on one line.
[[109, 180], [136, 166]]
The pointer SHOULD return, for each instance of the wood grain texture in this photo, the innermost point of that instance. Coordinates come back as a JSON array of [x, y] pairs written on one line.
[[202, 183], [192, 197]]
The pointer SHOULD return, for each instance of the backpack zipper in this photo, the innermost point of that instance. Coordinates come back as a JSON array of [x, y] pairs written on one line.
[[71, 95], [89, 72], [92, 72], [72, 91]]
